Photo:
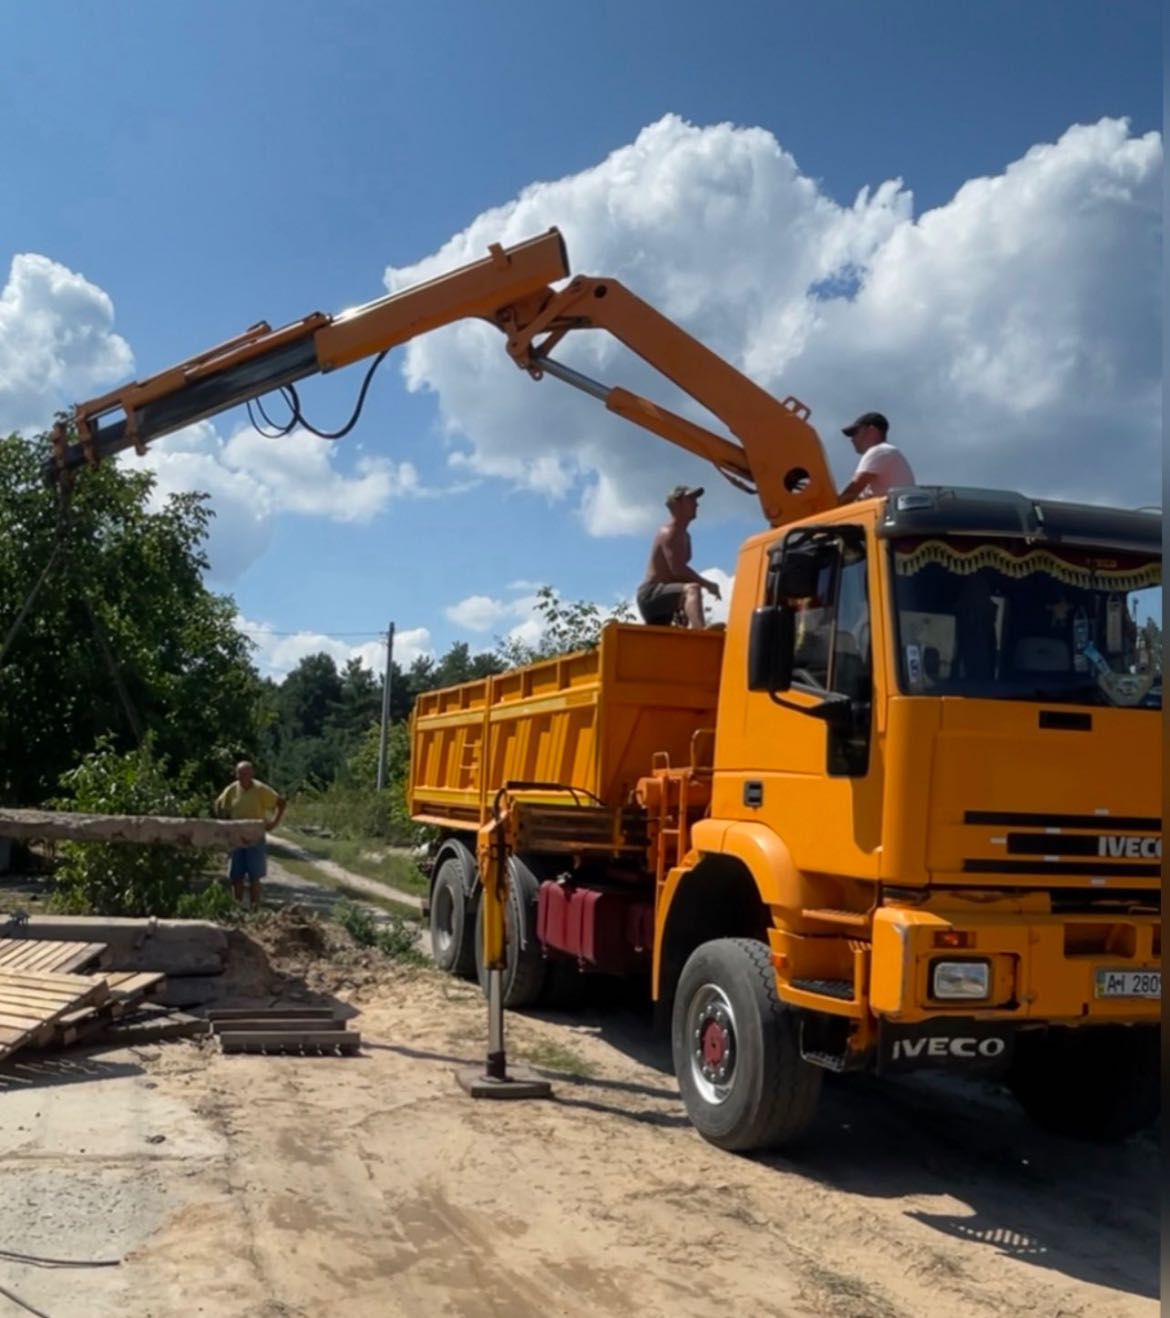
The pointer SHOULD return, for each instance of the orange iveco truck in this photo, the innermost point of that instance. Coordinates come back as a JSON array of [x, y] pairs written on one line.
[[913, 822], [902, 812]]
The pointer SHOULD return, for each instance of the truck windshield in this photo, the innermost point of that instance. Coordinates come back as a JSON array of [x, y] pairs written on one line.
[[1014, 621]]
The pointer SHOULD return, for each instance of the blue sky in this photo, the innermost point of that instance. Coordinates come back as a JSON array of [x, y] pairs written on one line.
[[206, 166]]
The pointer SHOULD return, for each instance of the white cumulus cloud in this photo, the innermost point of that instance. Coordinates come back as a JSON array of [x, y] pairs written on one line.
[[252, 479], [1011, 334], [57, 342]]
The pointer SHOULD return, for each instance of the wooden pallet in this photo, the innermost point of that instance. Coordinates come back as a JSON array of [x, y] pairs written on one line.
[[127, 991], [31, 955], [32, 1004]]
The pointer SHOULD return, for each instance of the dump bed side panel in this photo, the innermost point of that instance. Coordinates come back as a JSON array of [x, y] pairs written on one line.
[[591, 720]]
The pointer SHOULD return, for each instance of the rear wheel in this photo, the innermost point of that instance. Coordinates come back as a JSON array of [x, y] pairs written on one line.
[[736, 1050], [523, 979], [452, 924], [1099, 1083]]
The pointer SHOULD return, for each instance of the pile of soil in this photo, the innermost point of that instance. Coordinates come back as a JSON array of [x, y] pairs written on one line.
[[293, 953]]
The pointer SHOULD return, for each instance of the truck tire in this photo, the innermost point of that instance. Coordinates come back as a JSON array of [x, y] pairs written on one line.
[[526, 967], [452, 921], [736, 1050], [1099, 1083]]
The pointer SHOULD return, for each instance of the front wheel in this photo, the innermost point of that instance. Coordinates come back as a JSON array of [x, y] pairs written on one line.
[[736, 1050]]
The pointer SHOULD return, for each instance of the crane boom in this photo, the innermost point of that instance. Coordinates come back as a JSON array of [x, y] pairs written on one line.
[[778, 456]]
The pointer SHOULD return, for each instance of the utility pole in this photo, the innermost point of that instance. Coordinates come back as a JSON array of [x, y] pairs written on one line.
[[386, 707]]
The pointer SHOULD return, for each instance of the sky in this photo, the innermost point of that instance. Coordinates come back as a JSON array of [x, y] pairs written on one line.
[[951, 214]]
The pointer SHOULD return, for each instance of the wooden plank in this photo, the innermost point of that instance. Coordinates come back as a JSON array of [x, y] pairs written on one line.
[[50, 979], [261, 1024], [217, 834], [35, 997], [135, 985], [34, 1007], [48, 988], [14, 1020], [243, 1041]]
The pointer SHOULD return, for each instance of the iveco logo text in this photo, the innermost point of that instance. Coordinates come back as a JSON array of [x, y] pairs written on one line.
[[1132, 848], [936, 1047]]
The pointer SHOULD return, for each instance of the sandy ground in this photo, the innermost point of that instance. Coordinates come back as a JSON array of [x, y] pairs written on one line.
[[279, 1186]]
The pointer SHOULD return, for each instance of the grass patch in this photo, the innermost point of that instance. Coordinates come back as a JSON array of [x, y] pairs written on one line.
[[305, 869], [849, 1297], [394, 939], [553, 1056], [367, 857]]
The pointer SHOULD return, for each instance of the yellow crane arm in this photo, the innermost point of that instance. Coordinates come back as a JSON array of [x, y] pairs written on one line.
[[775, 453]]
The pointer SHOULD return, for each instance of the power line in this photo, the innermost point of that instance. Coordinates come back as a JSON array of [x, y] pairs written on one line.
[[307, 631]]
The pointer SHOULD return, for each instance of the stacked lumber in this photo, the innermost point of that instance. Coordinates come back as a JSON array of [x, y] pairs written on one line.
[[32, 1004], [89, 1023], [312, 1031], [51, 996]]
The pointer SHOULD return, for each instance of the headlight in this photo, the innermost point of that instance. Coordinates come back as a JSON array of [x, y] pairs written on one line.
[[960, 979]]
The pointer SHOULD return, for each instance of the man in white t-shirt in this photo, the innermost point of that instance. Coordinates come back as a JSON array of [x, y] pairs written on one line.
[[882, 466]]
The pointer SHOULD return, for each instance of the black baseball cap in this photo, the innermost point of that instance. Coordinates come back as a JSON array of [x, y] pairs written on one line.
[[685, 492], [867, 419]]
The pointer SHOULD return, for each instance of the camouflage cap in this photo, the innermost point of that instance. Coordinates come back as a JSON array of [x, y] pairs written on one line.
[[684, 492]]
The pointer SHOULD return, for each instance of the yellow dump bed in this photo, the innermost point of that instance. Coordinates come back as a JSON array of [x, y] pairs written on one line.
[[592, 720]]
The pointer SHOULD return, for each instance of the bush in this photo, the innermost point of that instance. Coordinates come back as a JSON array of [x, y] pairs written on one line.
[[123, 878], [395, 939], [357, 922]]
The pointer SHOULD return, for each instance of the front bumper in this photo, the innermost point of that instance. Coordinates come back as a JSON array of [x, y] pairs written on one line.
[[1043, 967]]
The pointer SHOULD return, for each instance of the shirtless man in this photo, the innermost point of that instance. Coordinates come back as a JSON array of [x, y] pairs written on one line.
[[669, 576]]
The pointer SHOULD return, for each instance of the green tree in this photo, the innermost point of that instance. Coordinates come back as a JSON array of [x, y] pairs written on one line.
[[123, 638], [564, 628], [121, 878], [359, 702]]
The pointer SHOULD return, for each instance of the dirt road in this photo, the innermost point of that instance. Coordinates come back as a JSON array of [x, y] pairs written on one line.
[[294, 1186]]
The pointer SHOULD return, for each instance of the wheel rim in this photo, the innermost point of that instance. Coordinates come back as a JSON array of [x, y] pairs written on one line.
[[711, 1043], [444, 925]]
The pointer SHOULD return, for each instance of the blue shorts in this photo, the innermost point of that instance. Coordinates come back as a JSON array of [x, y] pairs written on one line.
[[248, 863]]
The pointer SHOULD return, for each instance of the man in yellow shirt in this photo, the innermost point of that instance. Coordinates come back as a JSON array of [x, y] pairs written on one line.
[[248, 798]]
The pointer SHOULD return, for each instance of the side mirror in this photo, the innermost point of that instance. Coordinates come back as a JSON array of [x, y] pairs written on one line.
[[771, 645]]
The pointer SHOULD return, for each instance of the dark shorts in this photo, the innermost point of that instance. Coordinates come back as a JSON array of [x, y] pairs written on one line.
[[659, 601], [248, 863]]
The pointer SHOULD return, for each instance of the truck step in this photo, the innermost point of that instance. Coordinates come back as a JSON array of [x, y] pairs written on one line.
[[827, 1061], [827, 988], [855, 919]]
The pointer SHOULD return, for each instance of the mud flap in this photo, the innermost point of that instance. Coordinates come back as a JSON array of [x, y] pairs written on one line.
[[949, 1043]]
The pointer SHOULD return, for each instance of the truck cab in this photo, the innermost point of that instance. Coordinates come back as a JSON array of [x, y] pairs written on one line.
[[937, 761]]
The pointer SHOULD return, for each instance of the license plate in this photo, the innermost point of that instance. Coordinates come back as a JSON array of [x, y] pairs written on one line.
[[1129, 984]]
